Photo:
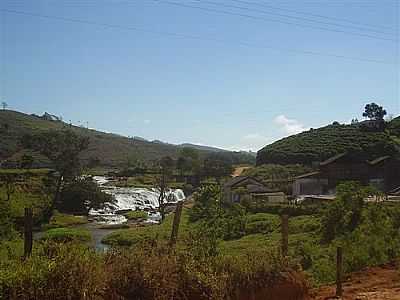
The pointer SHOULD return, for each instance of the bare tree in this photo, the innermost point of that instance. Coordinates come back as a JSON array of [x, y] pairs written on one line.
[[4, 105], [165, 166]]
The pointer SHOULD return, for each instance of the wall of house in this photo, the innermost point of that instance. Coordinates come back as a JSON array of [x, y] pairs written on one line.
[[310, 186]]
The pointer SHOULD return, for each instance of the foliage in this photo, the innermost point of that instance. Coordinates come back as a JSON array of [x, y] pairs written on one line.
[[325, 142], [226, 219], [394, 127], [344, 214], [67, 235], [261, 223], [112, 150], [374, 112], [81, 195], [188, 161], [61, 147], [150, 271], [217, 165]]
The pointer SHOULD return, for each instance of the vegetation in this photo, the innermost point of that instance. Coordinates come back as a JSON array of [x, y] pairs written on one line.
[[67, 235], [110, 150], [320, 144], [64, 220], [136, 215], [374, 112], [152, 271], [81, 195]]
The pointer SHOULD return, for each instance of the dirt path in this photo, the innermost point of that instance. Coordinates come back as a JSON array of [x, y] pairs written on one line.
[[239, 170], [376, 283]]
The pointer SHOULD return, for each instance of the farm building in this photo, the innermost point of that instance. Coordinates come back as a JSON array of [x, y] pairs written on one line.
[[245, 187], [382, 172]]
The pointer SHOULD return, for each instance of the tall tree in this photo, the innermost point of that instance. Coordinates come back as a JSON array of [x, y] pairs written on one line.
[[217, 166], [374, 112], [4, 105], [63, 149]]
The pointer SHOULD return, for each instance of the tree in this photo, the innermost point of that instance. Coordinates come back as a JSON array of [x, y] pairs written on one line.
[[345, 213], [374, 112], [81, 195], [4, 105], [63, 149], [188, 161], [165, 166], [217, 167], [9, 181]]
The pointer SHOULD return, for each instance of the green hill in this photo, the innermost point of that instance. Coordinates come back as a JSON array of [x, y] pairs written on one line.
[[319, 144], [111, 149]]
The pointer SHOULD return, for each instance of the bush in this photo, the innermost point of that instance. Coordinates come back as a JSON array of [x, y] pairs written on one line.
[[261, 223], [150, 271]]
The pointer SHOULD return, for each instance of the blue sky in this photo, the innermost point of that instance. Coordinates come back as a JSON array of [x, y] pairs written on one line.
[[226, 73]]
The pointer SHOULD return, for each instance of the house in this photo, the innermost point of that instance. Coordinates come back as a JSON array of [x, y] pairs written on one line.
[[382, 172], [246, 187]]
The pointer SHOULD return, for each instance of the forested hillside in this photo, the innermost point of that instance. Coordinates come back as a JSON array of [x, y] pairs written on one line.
[[110, 150], [319, 144]]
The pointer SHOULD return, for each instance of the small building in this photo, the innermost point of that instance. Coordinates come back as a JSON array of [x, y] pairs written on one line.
[[246, 187], [382, 172]]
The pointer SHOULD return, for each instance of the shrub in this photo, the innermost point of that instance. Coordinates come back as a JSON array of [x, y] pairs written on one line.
[[261, 223]]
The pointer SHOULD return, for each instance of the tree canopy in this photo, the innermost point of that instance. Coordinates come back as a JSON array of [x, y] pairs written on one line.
[[374, 112]]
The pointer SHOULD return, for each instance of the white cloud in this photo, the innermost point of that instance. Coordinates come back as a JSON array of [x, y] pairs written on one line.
[[289, 126], [147, 122]]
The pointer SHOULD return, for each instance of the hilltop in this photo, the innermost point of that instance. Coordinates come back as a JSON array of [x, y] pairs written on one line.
[[319, 144], [112, 150]]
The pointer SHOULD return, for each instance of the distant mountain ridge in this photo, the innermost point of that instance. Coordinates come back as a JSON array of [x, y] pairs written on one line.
[[112, 150], [319, 144]]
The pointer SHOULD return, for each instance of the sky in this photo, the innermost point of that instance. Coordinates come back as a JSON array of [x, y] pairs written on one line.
[[237, 74]]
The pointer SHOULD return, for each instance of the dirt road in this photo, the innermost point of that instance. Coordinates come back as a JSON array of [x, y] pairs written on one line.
[[376, 283]]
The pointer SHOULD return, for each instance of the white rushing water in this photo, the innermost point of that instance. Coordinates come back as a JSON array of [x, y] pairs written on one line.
[[131, 198]]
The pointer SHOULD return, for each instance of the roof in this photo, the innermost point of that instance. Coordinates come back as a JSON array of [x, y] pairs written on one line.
[[378, 160], [332, 159], [395, 192], [311, 174], [256, 189]]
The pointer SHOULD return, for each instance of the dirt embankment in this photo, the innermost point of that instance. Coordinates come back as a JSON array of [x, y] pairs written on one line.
[[375, 283]]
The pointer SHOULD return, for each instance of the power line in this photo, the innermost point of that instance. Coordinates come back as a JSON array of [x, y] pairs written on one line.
[[219, 11], [291, 17], [193, 37], [314, 15]]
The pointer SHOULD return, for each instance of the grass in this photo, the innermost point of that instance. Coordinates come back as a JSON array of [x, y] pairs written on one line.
[[128, 237], [67, 235], [65, 220], [136, 215]]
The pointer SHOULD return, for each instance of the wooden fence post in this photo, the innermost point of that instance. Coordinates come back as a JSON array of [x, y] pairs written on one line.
[[285, 234], [175, 225], [339, 264], [28, 232]]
